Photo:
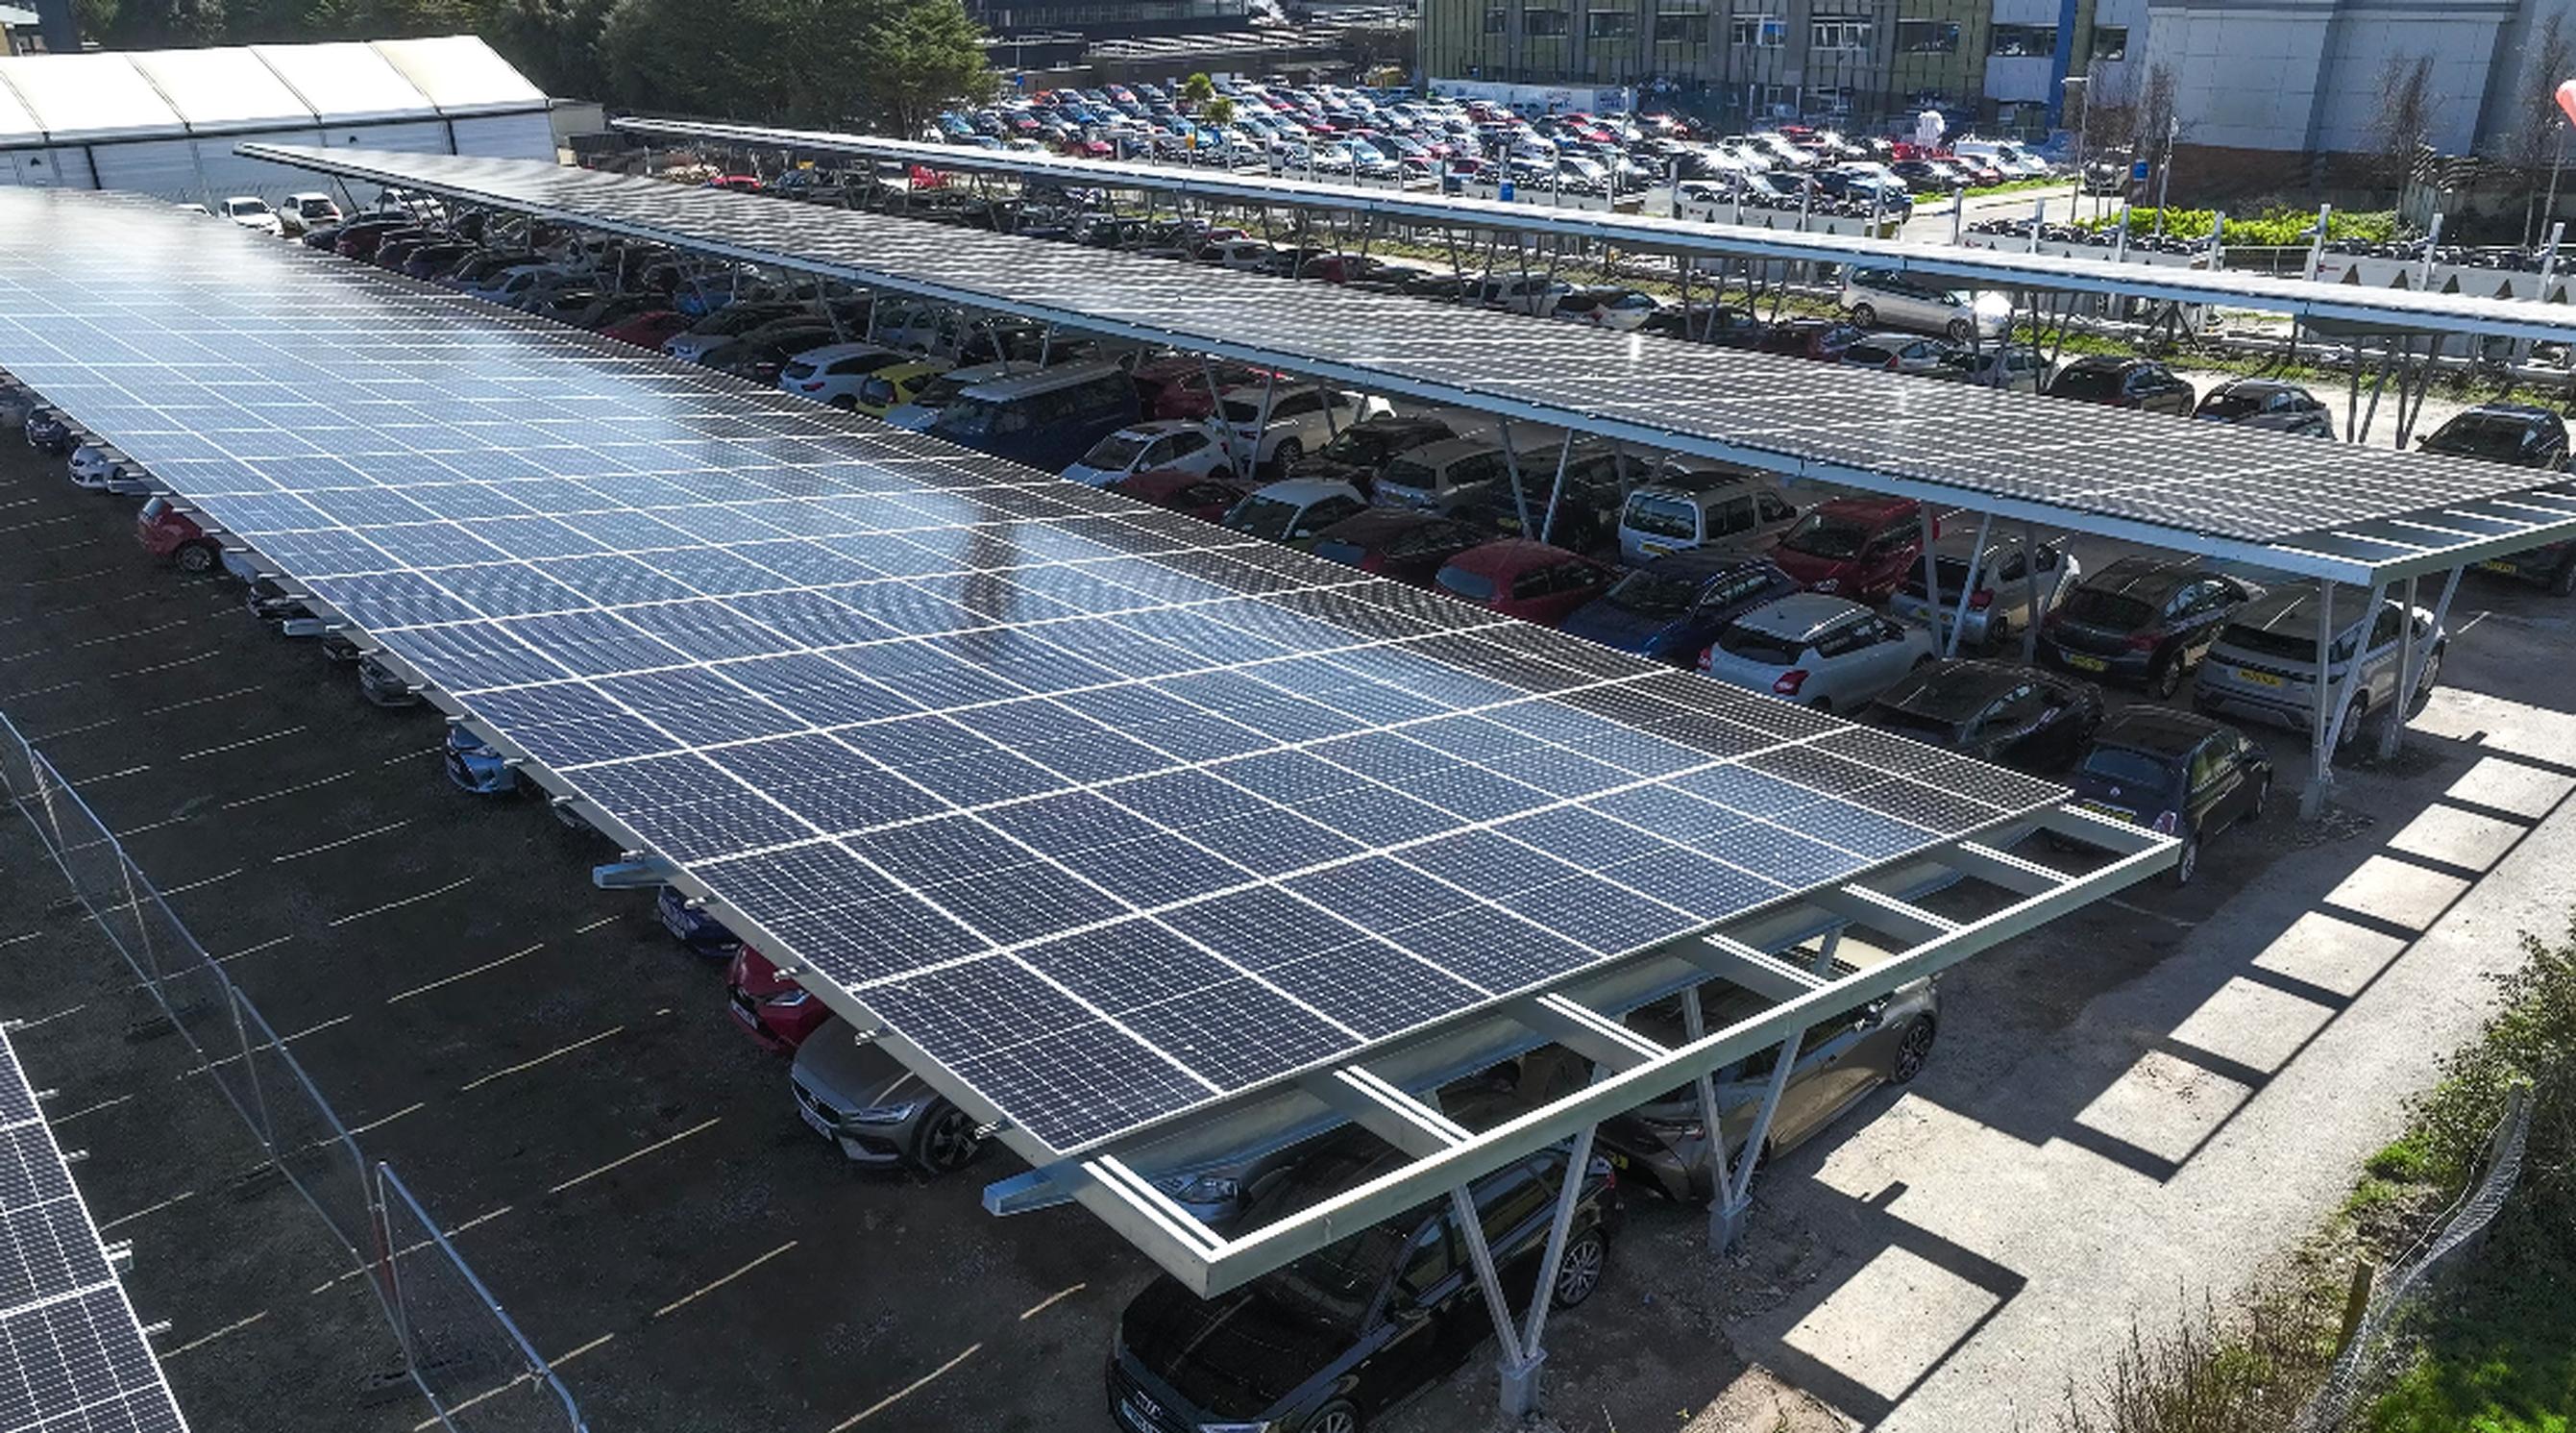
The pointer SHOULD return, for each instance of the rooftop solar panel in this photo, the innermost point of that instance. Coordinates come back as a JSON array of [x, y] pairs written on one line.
[[1111, 813], [72, 1354], [2213, 479]]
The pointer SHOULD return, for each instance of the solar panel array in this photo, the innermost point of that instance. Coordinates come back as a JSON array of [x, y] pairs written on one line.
[[2402, 310], [1111, 812], [72, 1355], [1779, 413]]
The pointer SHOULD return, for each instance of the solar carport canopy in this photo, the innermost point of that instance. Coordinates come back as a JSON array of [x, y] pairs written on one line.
[[1103, 814], [2283, 501]]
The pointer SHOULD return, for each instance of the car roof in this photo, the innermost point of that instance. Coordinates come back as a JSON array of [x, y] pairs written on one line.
[[1303, 491], [1865, 507], [1378, 524], [1692, 482], [1704, 562], [1153, 428], [2294, 608], [1799, 613], [1161, 482], [1045, 380], [1506, 556], [2160, 731], [835, 352], [2256, 385], [1955, 690], [2143, 577]]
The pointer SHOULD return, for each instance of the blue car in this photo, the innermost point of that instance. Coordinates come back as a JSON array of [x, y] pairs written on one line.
[[47, 432], [1671, 608], [474, 766], [703, 934]]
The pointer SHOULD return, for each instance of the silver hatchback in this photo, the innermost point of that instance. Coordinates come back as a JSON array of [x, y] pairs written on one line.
[[2264, 663]]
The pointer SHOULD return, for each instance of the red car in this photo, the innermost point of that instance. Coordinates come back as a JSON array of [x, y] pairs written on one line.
[[1178, 387], [1190, 494], [738, 183], [776, 1011], [1822, 339], [173, 536], [649, 329], [1397, 543], [1860, 548], [1524, 579]]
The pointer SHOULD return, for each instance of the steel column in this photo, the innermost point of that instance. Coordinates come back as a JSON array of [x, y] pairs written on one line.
[[2312, 802], [2030, 566], [1512, 465], [1543, 1293], [1207, 370], [2345, 690], [1967, 589], [1726, 1215], [2392, 739], [1931, 572], [1712, 1132], [1556, 490], [1520, 1372]]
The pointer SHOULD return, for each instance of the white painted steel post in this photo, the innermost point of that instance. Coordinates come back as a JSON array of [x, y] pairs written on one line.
[[2312, 802], [2317, 244], [1967, 589], [2391, 741], [1216, 414], [2038, 216], [1511, 465], [1712, 1130], [2432, 241], [2392, 727], [1931, 572], [1558, 1230], [1726, 1222], [2345, 690], [2030, 566], [1959, 219], [1520, 1378], [2120, 243], [1555, 493], [1261, 428]]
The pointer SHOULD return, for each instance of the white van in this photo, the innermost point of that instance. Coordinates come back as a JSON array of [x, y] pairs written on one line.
[[1693, 505]]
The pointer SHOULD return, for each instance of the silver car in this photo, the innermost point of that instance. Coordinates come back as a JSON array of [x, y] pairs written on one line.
[[1884, 296], [1829, 653], [2264, 663], [856, 1095], [2000, 609]]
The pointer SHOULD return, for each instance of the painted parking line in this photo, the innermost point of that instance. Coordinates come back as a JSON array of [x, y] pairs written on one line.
[[22, 939], [198, 701], [343, 841], [525, 1065], [1050, 1301], [627, 1159], [212, 1065], [409, 1249], [246, 741], [594, 925], [465, 974], [75, 730], [147, 1209], [47, 691], [413, 754], [58, 1121], [909, 1389], [410, 1109], [2176, 922], [113, 775], [18, 1027], [231, 1328], [271, 944], [340, 921], [285, 791], [557, 1362], [700, 1292], [196, 885], [127, 635], [207, 655]]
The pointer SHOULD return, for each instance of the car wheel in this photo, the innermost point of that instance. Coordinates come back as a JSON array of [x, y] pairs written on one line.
[[1587, 1255], [1959, 330], [947, 1140], [2353, 720], [1912, 1051], [1822, 704], [1337, 1416], [1287, 453], [2563, 582], [1864, 315], [1999, 634], [844, 402], [2187, 864], [2166, 679], [196, 557], [2430, 678], [1221, 473]]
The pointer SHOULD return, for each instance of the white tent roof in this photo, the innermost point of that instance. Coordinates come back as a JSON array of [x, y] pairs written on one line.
[[120, 95], [14, 16]]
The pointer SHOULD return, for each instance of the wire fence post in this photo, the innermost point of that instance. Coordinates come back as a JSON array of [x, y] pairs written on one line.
[[472, 1363]]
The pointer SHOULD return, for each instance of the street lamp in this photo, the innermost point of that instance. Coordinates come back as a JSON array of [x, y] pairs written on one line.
[[2071, 84]]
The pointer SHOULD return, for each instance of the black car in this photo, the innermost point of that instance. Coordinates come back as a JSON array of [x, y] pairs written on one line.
[[1398, 543], [2179, 773], [2137, 383], [48, 432], [1586, 517], [2526, 437], [2269, 404], [2147, 620], [381, 686], [1994, 711], [1673, 607], [1340, 1336], [1358, 453], [1724, 325]]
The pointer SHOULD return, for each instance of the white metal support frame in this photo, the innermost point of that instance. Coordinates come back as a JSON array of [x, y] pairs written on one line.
[[2392, 733], [1967, 588]]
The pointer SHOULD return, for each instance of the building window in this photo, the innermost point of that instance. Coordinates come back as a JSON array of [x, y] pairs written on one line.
[[1611, 24], [1497, 21], [1543, 22], [1757, 24], [1927, 37], [1834, 33], [2110, 42], [1679, 27], [2023, 40]]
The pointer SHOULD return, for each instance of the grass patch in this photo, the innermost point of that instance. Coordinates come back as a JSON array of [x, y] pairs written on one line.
[[2016, 186]]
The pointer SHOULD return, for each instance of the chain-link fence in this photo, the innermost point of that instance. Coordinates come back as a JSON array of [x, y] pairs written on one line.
[[2378, 1344], [477, 1370]]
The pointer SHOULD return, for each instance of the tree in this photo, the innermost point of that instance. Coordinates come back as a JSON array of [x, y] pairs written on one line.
[[2405, 120], [1199, 98], [920, 57]]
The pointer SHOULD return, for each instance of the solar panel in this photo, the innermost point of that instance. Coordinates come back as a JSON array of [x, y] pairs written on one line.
[[1776, 412], [1111, 813], [72, 1354]]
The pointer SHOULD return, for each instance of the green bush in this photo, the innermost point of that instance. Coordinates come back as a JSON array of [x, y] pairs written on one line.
[[2273, 228]]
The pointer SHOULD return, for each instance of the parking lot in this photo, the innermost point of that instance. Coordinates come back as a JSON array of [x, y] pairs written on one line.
[[560, 1084]]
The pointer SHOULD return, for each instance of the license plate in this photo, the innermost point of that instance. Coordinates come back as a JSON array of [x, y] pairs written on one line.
[[2086, 664], [2497, 566], [675, 925], [1653, 549], [2113, 812], [1129, 1415], [2260, 679], [1617, 1160], [815, 1120]]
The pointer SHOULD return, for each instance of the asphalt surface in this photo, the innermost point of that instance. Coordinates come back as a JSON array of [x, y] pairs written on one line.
[[561, 1086]]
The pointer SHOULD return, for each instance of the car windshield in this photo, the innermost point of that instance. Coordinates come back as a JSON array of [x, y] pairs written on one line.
[[1406, 473], [1264, 517], [1115, 452], [2101, 608], [2087, 383], [2295, 643], [2474, 436], [1336, 1284], [1824, 535], [2231, 405], [939, 392], [1658, 516], [1653, 594], [1754, 645], [878, 392], [2123, 767], [1458, 581], [970, 417], [1357, 446], [248, 206]]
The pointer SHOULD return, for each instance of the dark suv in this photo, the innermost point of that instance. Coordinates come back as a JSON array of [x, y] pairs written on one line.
[[2147, 620], [2136, 383], [2525, 437], [1340, 1336]]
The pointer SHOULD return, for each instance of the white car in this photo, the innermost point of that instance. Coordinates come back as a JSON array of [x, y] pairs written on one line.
[[1301, 417], [304, 213], [102, 469], [832, 374], [1294, 509], [1884, 296], [1818, 651], [1622, 310], [917, 415], [1246, 254], [253, 214], [197, 209], [506, 284], [1164, 445]]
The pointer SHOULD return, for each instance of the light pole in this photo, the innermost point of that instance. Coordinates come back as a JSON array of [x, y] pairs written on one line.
[[2558, 157], [2071, 86]]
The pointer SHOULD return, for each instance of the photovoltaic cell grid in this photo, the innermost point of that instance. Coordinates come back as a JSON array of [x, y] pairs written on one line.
[[2215, 479], [72, 1355], [1111, 812]]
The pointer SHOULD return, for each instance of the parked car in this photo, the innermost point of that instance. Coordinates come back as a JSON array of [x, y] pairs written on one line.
[[2139, 383], [1689, 506], [1820, 651], [1439, 475], [726, 324], [1534, 294], [1521, 578], [253, 213], [1178, 387], [270, 603], [1162, 445], [49, 432], [1822, 339], [1342, 1335], [173, 536], [773, 1010], [2001, 712], [1362, 451], [2181, 774], [303, 213], [2268, 404], [917, 413], [1673, 607], [897, 384], [1044, 419], [382, 686], [1584, 516], [1884, 296], [2001, 607], [1899, 353], [2145, 620], [763, 355], [2525, 436], [1860, 548], [473, 765], [1663, 1143], [1189, 494], [1295, 510], [834, 373], [1298, 418], [101, 469], [1397, 543], [1621, 309], [2016, 369], [649, 329], [2264, 663], [853, 1093], [704, 935]]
